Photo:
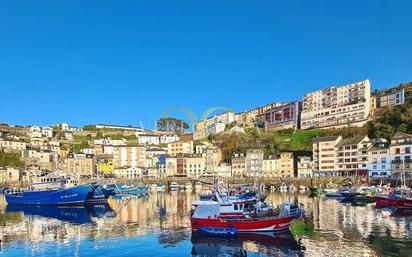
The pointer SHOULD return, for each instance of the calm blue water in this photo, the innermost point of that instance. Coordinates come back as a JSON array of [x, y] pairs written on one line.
[[159, 226]]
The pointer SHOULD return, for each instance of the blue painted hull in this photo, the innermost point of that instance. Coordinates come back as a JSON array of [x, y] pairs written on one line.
[[71, 196], [96, 194]]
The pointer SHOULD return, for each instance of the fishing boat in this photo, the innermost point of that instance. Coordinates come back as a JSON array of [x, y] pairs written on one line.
[[109, 190], [208, 215], [393, 200], [174, 186], [359, 198], [77, 195], [96, 194], [216, 231]]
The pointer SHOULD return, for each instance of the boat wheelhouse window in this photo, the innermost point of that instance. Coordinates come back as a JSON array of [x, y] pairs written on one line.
[[235, 206], [240, 206]]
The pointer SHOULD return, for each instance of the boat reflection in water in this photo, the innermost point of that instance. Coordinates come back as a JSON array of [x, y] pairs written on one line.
[[270, 244], [71, 214]]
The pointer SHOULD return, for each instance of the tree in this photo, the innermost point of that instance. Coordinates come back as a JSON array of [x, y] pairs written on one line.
[[172, 124]]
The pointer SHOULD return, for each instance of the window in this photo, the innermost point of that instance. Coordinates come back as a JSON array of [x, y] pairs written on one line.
[[236, 207], [383, 160]]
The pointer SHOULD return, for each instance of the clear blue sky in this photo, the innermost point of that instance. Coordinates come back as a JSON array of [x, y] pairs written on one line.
[[122, 62]]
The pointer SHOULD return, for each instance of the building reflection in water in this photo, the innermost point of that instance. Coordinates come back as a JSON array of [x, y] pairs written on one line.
[[333, 229]]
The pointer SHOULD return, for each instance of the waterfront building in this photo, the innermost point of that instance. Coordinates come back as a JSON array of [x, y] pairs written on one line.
[[180, 147], [305, 167], [81, 164], [148, 139], [286, 165], [213, 156], [283, 117], [271, 166], [131, 156], [224, 170], [253, 162], [337, 107], [400, 151], [127, 172], [161, 166], [11, 145], [195, 165], [352, 156], [379, 160], [324, 154], [238, 165]]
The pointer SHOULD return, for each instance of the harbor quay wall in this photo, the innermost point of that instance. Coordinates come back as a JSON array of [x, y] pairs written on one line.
[[276, 182]]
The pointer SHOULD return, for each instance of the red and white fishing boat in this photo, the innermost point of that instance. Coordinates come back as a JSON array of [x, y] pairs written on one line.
[[393, 201], [208, 214]]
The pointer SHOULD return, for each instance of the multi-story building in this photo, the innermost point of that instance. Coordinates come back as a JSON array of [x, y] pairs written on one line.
[[47, 132], [286, 165], [43, 159], [224, 170], [148, 139], [324, 154], [400, 151], [387, 97], [128, 172], [110, 141], [352, 156], [131, 156], [105, 167], [213, 125], [9, 145], [283, 117], [9, 175], [213, 156], [379, 161], [337, 107], [35, 131], [305, 167], [180, 147], [195, 165], [253, 163], [161, 167], [238, 165], [271, 166], [67, 127], [81, 164]]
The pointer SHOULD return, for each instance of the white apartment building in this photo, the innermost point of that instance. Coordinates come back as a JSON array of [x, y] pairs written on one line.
[[224, 170], [148, 139], [379, 160], [253, 163], [352, 156], [305, 167], [195, 166], [324, 155], [337, 107], [213, 125], [130, 156], [110, 141], [400, 151], [167, 138]]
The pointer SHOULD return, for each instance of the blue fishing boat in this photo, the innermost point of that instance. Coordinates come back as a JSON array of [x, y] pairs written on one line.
[[96, 194], [217, 231], [109, 190], [77, 195]]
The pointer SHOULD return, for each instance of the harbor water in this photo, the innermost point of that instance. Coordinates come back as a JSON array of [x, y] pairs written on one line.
[[158, 225]]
